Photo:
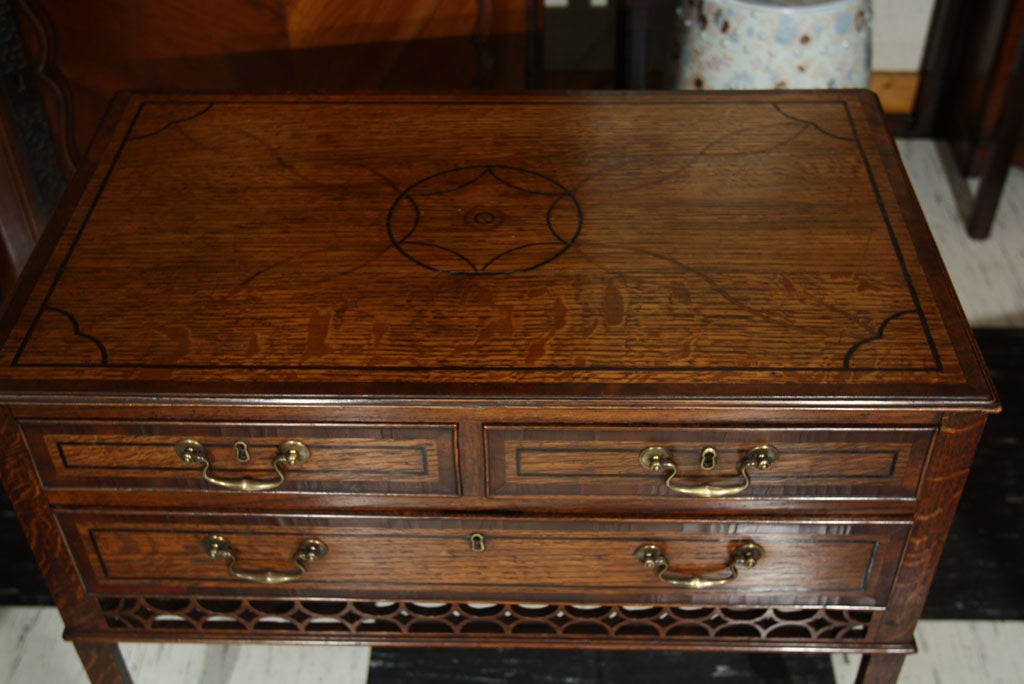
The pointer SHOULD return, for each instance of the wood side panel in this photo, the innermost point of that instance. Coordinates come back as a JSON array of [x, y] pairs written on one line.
[[949, 463], [44, 537]]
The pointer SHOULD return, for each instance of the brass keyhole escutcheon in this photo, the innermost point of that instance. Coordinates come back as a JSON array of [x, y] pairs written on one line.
[[477, 542], [242, 452], [708, 458]]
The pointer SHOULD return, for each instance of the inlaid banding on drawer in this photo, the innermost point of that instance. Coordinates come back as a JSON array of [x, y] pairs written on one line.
[[363, 459], [426, 558], [605, 462]]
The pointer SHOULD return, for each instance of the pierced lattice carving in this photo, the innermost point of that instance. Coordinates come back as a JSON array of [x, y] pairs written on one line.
[[482, 619]]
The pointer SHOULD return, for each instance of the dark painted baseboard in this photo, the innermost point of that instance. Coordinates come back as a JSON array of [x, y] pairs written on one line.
[[521, 666]]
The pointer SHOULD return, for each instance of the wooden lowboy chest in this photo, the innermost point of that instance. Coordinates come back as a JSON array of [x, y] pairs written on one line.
[[659, 371]]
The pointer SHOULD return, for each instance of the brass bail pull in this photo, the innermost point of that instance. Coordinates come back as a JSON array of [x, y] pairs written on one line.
[[289, 453], [309, 550], [658, 459], [653, 556]]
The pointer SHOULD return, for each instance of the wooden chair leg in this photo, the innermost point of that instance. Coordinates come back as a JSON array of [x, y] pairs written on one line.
[[1011, 124], [880, 668], [103, 663]]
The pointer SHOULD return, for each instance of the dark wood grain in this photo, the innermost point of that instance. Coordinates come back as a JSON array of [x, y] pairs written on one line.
[[969, 64], [941, 488], [1006, 135], [343, 458], [812, 463], [722, 288], [540, 561], [970, 96], [880, 667], [103, 663], [871, 464], [44, 538], [475, 281]]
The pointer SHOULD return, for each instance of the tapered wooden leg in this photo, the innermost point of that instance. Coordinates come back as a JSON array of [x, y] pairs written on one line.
[[103, 663], [880, 668]]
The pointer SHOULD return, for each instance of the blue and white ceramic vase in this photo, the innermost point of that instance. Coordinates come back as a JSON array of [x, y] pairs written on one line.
[[765, 44]]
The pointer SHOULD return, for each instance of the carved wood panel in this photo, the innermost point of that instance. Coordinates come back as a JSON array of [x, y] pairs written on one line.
[[379, 620]]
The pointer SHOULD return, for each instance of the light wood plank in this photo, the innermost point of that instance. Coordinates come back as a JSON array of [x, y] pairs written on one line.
[[897, 90]]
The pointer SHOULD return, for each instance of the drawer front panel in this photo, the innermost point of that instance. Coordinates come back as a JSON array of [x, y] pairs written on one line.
[[357, 459], [604, 462], [442, 559]]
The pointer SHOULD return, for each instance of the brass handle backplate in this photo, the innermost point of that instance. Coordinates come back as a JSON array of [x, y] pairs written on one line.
[[653, 556], [309, 550], [659, 459], [289, 453]]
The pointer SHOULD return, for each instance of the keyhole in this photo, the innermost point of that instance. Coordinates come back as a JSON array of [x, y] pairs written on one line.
[[242, 452], [476, 542], [708, 458]]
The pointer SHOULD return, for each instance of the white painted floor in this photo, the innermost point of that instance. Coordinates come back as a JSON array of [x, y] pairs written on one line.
[[989, 277], [33, 652], [988, 274]]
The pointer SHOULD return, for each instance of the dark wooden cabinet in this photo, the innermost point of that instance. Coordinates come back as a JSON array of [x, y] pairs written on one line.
[[660, 370], [972, 96], [266, 46]]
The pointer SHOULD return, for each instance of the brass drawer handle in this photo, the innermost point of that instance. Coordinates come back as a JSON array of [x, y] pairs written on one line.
[[289, 453], [658, 459], [310, 550], [653, 556]]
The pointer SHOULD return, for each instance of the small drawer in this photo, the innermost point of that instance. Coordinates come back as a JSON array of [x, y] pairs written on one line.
[[800, 462], [344, 459], [488, 558]]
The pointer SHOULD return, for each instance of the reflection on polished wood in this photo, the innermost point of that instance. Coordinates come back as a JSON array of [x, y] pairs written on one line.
[[236, 45]]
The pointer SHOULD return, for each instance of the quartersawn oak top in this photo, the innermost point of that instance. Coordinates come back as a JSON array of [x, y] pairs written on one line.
[[724, 245]]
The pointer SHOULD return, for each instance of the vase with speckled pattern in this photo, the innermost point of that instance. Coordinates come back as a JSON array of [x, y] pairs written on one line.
[[765, 44]]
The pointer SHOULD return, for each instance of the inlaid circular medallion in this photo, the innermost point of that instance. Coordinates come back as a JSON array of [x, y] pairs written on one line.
[[484, 220]]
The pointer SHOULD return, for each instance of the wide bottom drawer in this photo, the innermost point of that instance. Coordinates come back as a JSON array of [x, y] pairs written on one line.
[[488, 558]]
